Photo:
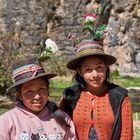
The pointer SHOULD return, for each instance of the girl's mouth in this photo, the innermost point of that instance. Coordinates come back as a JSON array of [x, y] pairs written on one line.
[[37, 102]]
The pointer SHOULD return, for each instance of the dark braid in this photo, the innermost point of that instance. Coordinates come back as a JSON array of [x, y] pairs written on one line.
[[58, 115], [70, 98]]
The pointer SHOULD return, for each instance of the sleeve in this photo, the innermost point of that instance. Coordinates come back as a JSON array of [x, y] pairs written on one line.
[[71, 133], [4, 128], [127, 120]]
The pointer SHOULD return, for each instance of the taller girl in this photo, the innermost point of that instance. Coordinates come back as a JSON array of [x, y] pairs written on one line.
[[100, 109]]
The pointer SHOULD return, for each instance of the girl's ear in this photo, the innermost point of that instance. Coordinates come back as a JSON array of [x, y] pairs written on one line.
[[19, 95]]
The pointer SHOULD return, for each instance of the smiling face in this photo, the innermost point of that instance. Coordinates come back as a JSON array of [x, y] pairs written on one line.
[[93, 70], [34, 95]]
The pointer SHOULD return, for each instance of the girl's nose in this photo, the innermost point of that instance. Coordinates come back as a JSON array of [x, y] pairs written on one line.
[[94, 73], [37, 96]]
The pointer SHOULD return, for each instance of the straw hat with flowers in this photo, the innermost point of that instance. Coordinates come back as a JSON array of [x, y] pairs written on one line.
[[95, 23], [31, 68]]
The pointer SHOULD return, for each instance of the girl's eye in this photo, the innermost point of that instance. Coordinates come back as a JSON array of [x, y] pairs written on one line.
[[42, 90], [88, 70], [100, 68], [28, 93]]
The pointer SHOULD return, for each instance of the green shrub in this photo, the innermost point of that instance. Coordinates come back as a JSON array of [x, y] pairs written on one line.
[[115, 73]]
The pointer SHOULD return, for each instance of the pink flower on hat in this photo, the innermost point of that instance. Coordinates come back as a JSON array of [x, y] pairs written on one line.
[[90, 18]]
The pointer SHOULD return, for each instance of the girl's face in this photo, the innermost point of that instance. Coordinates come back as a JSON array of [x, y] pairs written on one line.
[[93, 70], [34, 95]]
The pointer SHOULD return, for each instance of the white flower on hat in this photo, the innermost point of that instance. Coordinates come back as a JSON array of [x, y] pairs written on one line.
[[49, 50], [51, 46]]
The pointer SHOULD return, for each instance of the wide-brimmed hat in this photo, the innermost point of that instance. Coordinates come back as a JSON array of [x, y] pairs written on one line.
[[89, 48], [26, 70]]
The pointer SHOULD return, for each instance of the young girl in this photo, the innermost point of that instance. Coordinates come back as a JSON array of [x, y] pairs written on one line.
[[100, 110], [32, 119]]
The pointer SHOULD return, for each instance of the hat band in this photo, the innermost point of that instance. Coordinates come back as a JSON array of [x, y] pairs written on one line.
[[89, 52], [29, 75], [25, 69], [93, 45]]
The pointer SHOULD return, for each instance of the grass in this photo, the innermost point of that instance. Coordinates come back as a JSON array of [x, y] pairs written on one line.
[[2, 110], [60, 83], [57, 87], [136, 125], [125, 81], [136, 116]]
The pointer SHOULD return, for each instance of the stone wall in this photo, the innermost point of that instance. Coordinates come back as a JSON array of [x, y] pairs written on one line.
[[32, 20], [26, 20], [125, 19]]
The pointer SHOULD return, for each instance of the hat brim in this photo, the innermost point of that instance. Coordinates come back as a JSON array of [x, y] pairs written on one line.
[[47, 76], [74, 64]]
